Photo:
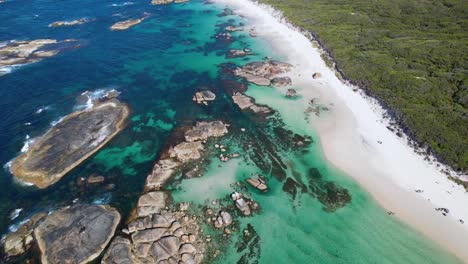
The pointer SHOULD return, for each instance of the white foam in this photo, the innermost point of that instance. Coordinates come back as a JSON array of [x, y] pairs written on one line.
[[15, 213], [27, 143], [104, 199], [55, 122], [123, 4]]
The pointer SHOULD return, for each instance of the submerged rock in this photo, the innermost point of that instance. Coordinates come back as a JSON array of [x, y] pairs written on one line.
[[234, 28], [76, 234], [69, 143], [262, 73], [204, 97], [18, 242]]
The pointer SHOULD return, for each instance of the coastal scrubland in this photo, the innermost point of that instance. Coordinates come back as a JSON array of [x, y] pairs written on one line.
[[410, 55]]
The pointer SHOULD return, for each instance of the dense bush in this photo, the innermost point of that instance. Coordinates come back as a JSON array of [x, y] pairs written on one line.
[[411, 54]]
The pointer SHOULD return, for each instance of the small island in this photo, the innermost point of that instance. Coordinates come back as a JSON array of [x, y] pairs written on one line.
[[69, 143], [123, 25]]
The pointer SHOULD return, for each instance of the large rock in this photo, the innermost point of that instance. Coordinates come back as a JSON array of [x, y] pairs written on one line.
[[162, 172], [69, 143], [248, 103], [166, 237], [151, 203], [70, 23], [16, 243], [187, 151], [258, 183], [204, 97], [76, 234], [204, 130], [123, 25], [262, 73], [16, 53], [119, 252]]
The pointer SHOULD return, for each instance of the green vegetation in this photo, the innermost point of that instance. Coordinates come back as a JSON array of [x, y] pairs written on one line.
[[410, 54]]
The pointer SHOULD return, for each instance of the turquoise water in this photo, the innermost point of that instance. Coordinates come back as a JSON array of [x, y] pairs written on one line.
[[157, 66]]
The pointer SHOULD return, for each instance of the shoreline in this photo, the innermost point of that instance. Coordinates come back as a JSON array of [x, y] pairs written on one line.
[[355, 139]]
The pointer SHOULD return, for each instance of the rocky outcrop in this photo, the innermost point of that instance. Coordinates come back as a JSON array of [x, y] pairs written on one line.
[[281, 81], [234, 53], [18, 242], [240, 203], [69, 143], [258, 183], [317, 75], [16, 53], [123, 25], [204, 130], [151, 203], [164, 2], [163, 170], [224, 219], [291, 93], [76, 234], [234, 28], [248, 103], [166, 237], [186, 151], [262, 73], [70, 23], [204, 97]]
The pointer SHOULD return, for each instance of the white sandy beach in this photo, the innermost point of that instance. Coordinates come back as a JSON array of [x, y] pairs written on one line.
[[391, 171]]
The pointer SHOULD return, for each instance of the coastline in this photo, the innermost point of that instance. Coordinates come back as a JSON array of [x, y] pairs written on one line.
[[351, 133]]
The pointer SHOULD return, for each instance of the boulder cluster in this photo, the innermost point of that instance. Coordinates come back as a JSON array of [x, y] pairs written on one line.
[[265, 73], [166, 237], [204, 97]]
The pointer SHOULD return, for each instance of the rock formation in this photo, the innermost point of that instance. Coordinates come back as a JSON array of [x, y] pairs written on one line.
[[69, 143], [240, 203], [166, 237], [16, 53], [16, 243], [248, 103], [123, 25], [291, 93], [70, 23], [164, 2], [204, 97], [262, 73], [258, 183], [76, 234]]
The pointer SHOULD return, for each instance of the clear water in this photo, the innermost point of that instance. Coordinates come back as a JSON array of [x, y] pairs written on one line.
[[157, 66]]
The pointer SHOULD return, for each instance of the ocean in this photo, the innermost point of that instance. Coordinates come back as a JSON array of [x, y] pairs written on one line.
[[157, 66]]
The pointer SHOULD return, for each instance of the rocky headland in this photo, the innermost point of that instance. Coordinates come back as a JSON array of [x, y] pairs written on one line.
[[69, 143]]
